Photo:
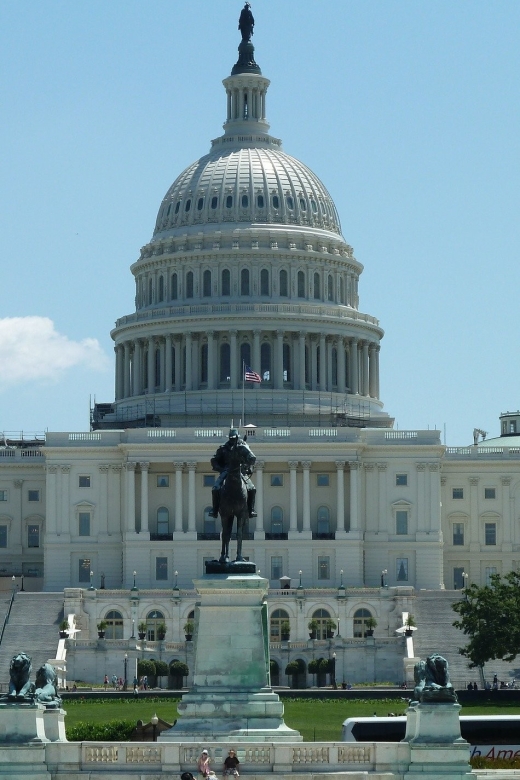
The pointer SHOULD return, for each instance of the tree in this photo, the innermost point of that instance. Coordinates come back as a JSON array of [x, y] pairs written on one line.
[[146, 667], [490, 616], [161, 668]]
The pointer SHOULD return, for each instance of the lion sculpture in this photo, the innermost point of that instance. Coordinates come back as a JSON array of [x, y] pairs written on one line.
[[432, 681], [46, 687], [20, 686]]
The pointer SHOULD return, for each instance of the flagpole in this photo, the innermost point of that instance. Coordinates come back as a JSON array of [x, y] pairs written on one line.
[[243, 393]]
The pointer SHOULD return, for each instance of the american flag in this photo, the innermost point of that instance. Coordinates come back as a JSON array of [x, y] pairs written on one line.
[[250, 375]]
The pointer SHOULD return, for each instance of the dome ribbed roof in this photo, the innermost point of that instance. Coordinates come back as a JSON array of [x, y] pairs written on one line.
[[250, 184]]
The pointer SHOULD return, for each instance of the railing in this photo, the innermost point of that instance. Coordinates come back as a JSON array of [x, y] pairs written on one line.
[[7, 614]]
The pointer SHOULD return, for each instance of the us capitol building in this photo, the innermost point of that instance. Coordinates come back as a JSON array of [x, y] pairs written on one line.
[[247, 268]]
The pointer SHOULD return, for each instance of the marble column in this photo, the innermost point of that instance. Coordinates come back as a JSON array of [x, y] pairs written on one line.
[[103, 500], [330, 347], [130, 497], [323, 355], [189, 369], [137, 369], [372, 370], [382, 523], [306, 515], [50, 513], [301, 339], [435, 498], [192, 465], [150, 368], [178, 496], [126, 363], [506, 513], [120, 370], [144, 496], [178, 364], [259, 484], [256, 351], [293, 497], [168, 363], [234, 359], [354, 496], [423, 525], [211, 360], [278, 374], [65, 501], [365, 369], [377, 372], [340, 497], [341, 365], [354, 367]]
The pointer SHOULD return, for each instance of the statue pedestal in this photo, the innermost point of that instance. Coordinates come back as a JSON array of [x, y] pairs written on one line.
[[21, 723], [231, 698], [54, 723], [436, 747]]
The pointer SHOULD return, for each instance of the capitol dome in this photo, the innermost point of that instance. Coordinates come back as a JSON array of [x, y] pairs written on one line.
[[247, 274]]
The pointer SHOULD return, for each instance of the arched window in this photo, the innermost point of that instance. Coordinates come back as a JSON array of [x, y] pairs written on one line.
[[225, 363], [200, 204], [360, 618], [177, 206], [244, 201], [244, 281], [187, 207], [214, 202], [278, 616], [204, 363], [260, 201], [277, 520], [330, 289], [153, 621], [264, 282], [226, 282], [161, 288], [286, 363], [229, 201], [321, 616], [174, 291], [163, 521], [284, 284], [301, 284], [265, 361], [317, 293], [150, 292], [276, 202], [323, 520], [189, 284], [157, 367], [206, 284], [114, 621], [245, 354]]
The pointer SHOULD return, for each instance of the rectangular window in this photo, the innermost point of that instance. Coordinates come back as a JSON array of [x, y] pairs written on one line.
[[457, 493], [276, 480], [458, 579], [401, 522], [489, 571], [3, 495], [84, 481], [3, 536], [401, 479], [323, 567], [84, 570], [401, 569], [490, 493], [161, 568], [34, 495], [84, 523], [322, 480], [208, 480], [490, 530], [458, 534], [33, 536], [163, 480], [276, 567]]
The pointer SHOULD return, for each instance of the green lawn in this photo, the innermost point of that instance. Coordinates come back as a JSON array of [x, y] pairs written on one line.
[[316, 719]]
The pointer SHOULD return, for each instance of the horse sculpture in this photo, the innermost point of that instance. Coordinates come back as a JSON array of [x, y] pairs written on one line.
[[233, 501]]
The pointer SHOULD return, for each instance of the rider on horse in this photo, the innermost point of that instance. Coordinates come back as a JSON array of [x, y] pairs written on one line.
[[221, 462]]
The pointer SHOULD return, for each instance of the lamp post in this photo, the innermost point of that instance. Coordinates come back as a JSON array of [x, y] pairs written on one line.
[[13, 580], [333, 671], [341, 579], [465, 578], [133, 629], [176, 575], [383, 578], [125, 684], [91, 586], [154, 721], [300, 586], [21, 589], [134, 587]]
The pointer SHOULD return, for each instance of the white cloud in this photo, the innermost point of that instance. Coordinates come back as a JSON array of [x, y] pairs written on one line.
[[32, 350]]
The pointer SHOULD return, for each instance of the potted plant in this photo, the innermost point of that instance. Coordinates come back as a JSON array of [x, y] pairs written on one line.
[[141, 630], [64, 629], [285, 630], [313, 626], [101, 628], [409, 623], [189, 628], [330, 626], [161, 631], [370, 623]]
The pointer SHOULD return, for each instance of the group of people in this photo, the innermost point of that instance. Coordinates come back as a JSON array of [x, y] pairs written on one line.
[[117, 682], [230, 766]]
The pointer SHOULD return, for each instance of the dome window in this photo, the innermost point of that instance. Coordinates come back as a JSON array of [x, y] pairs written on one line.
[[284, 285], [177, 206], [260, 201], [169, 209], [214, 202], [264, 282], [276, 202], [187, 207], [245, 201], [229, 202], [226, 282], [303, 205], [314, 206], [290, 202], [200, 204]]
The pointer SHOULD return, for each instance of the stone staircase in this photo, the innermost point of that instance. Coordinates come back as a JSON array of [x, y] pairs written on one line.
[[436, 634], [33, 628]]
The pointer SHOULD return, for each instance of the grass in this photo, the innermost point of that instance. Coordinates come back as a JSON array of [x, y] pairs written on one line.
[[316, 719]]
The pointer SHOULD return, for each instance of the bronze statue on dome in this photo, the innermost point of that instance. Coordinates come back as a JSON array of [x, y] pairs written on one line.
[[246, 22]]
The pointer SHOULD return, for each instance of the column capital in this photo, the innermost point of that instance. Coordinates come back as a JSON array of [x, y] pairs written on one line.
[[420, 466], [354, 465], [434, 466], [505, 481], [65, 469], [382, 466], [368, 466], [306, 464], [293, 464], [340, 465], [260, 465], [144, 465], [116, 468], [178, 465], [473, 481], [192, 465], [104, 468], [18, 483], [130, 466], [233, 332], [52, 469]]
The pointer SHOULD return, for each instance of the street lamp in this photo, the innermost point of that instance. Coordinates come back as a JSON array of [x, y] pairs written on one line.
[[341, 586], [13, 580], [91, 586], [125, 684], [22, 583], [465, 578], [300, 586], [133, 629], [154, 721], [383, 578], [134, 587], [333, 671], [176, 575]]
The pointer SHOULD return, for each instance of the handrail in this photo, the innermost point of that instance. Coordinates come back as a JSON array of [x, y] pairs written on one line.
[[6, 619]]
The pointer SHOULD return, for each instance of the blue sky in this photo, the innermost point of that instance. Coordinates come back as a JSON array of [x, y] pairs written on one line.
[[408, 111]]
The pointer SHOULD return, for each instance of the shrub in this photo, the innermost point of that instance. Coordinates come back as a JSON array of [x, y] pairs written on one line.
[[146, 667], [161, 668], [112, 731], [314, 665], [324, 665], [295, 667], [179, 669]]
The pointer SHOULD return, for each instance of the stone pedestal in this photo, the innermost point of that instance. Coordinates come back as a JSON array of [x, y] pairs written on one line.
[[54, 723], [437, 749], [231, 696], [21, 723]]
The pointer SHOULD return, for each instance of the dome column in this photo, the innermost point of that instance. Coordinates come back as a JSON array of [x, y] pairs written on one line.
[[372, 371], [341, 364], [314, 363], [377, 371], [178, 364], [301, 341], [256, 350], [278, 374], [151, 365], [323, 356], [189, 349], [119, 371], [211, 360], [234, 359], [330, 347], [168, 364], [126, 363], [137, 368], [354, 367], [365, 369]]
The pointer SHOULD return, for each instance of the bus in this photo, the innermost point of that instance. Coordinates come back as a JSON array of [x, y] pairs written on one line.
[[490, 736]]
